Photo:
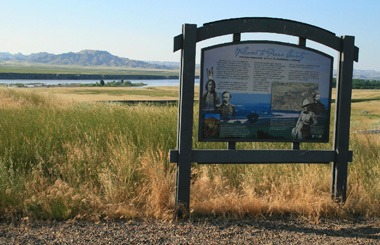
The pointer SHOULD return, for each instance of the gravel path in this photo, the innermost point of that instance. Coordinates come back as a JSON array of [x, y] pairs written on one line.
[[210, 231]]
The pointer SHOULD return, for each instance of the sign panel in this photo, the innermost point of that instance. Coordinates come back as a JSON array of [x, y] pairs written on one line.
[[264, 91]]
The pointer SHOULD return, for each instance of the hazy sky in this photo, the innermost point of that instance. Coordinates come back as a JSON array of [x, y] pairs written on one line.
[[144, 29]]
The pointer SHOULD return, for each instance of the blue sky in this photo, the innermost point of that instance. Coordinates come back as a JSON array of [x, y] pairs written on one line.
[[144, 30]]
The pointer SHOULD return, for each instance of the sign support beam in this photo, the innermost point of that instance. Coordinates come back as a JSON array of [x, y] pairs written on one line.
[[185, 120], [342, 119]]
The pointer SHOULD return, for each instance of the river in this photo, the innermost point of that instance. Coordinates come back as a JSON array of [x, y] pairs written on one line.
[[149, 82]]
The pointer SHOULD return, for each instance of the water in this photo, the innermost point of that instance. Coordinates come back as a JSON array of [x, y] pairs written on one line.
[[149, 82]]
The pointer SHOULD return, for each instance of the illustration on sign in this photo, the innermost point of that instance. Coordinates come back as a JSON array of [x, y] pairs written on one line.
[[264, 91]]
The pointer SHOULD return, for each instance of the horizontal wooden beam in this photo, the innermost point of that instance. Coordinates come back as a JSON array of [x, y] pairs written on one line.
[[261, 156]]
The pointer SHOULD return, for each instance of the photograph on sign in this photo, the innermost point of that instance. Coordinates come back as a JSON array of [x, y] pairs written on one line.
[[264, 91]]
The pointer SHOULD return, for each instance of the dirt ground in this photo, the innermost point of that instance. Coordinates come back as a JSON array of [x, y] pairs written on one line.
[[203, 231]]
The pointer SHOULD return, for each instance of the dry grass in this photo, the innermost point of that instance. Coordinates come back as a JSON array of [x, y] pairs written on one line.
[[61, 158], [360, 93], [365, 115], [19, 98], [365, 94], [91, 94]]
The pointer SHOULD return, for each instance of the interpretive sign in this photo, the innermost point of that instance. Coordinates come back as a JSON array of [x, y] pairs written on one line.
[[264, 91]]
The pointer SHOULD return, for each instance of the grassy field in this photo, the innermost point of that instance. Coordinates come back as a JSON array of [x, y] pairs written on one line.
[[91, 94], [71, 69], [64, 156]]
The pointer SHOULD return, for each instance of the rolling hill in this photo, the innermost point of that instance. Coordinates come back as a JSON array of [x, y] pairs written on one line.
[[97, 58], [83, 58]]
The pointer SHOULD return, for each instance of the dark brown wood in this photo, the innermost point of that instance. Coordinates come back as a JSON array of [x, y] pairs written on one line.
[[236, 37], [185, 121], [270, 25], [302, 42], [262, 156], [342, 119]]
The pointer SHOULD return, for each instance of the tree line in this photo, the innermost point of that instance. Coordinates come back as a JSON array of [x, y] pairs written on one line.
[[120, 83], [362, 84]]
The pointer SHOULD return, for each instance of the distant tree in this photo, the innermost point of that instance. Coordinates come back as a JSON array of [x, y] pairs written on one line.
[[362, 84], [121, 83]]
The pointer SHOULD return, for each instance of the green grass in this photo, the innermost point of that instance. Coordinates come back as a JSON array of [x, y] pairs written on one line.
[[91, 161], [85, 149], [152, 92], [71, 69]]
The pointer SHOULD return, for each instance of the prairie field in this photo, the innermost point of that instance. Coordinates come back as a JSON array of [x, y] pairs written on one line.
[[65, 155]]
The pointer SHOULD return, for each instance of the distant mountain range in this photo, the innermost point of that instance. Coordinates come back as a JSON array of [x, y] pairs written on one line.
[[104, 58], [367, 74], [84, 58]]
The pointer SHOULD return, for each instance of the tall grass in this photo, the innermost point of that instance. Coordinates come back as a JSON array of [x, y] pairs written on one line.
[[61, 160], [80, 159]]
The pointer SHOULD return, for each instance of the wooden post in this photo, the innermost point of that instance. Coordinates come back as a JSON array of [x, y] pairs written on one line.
[[342, 119], [185, 120], [302, 41]]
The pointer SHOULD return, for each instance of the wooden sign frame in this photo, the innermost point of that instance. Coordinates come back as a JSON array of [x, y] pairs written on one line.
[[184, 154]]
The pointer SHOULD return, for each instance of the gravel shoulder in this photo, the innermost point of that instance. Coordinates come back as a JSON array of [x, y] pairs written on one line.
[[201, 231]]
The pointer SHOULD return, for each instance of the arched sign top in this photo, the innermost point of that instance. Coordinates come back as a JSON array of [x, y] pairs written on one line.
[[269, 25]]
